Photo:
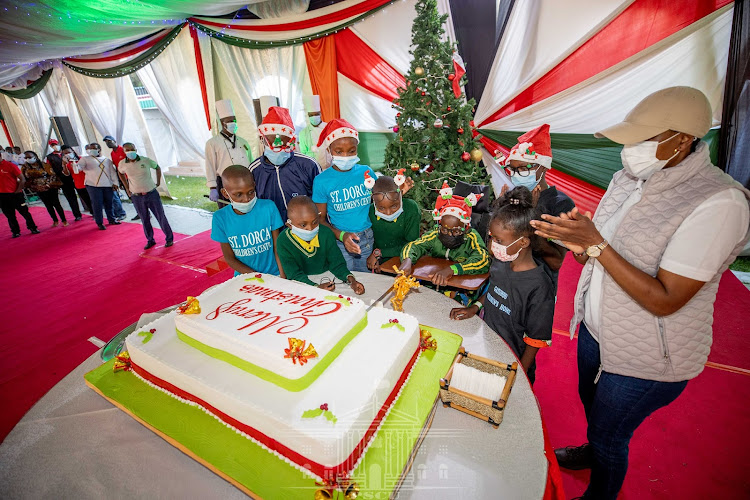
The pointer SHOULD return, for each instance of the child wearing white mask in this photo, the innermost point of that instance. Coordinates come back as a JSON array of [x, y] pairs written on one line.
[[307, 248], [247, 227], [520, 301], [342, 197]]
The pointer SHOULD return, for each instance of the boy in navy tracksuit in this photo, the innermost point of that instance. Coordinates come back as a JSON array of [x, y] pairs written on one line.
[[280, 173]]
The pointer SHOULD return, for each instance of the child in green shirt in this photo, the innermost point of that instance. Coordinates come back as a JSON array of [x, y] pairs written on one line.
[[395, 221], [452, 239], [308, 248]]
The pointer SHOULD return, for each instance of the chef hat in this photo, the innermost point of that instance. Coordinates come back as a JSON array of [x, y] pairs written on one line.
[[336, 129], [312, 103], [224, 108]]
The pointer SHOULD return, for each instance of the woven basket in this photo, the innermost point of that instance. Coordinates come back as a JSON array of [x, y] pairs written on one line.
[[476, 406]]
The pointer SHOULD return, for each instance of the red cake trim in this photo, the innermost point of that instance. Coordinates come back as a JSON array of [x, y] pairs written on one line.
[[318, 469]]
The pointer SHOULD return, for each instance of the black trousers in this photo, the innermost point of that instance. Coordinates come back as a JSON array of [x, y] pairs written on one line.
[[69, 191], [83, 194], [12, 202], [52, 202]]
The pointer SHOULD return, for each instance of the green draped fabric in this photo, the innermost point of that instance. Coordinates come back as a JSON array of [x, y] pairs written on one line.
[[371, 150], [131, 66], [264, 44], [585, 157], [32, 90]]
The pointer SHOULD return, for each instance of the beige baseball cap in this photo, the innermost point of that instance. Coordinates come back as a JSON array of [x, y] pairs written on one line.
[[682, 109]]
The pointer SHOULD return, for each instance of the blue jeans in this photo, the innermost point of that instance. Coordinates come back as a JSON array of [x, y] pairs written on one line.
[[101, 197], [117, 205], [151, 201], [615, 406], [356, 262]]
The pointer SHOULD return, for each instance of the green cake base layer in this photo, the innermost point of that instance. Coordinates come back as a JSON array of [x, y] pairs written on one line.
[[291, 385], [250, 466]]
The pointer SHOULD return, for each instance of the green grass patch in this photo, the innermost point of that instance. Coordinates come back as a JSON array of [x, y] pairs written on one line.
[[741, 264], [189, 192]]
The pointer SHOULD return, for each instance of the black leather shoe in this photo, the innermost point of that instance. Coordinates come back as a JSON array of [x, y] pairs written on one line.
[[78, 219], [575, 457], [115, 223], [101, 227], [16, 235], [34, 231], [149, 245], [168, 244], [137, 217]]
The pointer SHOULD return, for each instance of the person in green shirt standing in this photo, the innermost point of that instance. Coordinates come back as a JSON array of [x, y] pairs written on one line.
[[452, 239], [308, 136], [307, 248], [395, 221]]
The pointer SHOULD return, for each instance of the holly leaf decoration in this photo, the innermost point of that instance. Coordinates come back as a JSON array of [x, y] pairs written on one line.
[[146, 337], [317, 412]]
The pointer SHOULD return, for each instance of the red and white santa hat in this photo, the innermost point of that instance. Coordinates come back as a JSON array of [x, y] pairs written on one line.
[[277, 122], [534, 147], [337, 129], [457, 206]]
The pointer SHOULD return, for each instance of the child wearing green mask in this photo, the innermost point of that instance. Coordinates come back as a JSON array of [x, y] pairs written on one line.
[[309, 248]]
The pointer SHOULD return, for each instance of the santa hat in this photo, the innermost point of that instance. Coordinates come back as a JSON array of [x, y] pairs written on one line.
[[53, 142], [533, 147], [277, 122], [224, 109], [457, 206], [337, 129], [312, 103]]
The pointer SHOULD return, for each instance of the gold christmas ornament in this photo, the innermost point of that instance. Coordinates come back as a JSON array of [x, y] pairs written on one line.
[[352, 491], [418, 71], [476, 155], [414, 166], [322, 495]]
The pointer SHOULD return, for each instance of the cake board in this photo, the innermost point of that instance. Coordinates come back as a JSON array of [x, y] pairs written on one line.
[[251, 467]]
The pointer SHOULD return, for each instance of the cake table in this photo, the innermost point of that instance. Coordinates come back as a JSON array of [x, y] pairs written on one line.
[[75, 443]]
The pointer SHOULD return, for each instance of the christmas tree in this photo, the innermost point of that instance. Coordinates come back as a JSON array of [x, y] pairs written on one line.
[[433, 128]]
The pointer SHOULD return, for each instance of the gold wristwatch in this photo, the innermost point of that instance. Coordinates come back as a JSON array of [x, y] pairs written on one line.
[[595, 251]]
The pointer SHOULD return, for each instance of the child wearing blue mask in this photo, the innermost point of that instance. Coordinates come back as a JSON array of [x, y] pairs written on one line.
[[341, 195], [247, 228], [307, 248], [395, 220], [280, 173]]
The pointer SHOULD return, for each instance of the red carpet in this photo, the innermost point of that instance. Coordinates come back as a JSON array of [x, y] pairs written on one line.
[[693, 448], [68, 284]]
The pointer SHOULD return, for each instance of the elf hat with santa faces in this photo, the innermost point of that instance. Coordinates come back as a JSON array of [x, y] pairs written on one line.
[[337, 128], [457, 206], [276, 123], [533, 147]]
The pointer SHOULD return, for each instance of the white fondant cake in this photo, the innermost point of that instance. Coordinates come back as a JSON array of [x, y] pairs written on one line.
[[356, 389], [248, 320]]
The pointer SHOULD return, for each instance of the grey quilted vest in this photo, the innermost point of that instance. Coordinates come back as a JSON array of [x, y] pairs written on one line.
[[632, 341]]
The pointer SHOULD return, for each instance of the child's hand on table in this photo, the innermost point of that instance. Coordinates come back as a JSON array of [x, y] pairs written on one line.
[[327, 286], [357, 287], [460, 313], [372, 261], [441, 277], [406, 267]]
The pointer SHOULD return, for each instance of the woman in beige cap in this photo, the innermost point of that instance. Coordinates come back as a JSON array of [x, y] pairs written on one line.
[[668, 226]]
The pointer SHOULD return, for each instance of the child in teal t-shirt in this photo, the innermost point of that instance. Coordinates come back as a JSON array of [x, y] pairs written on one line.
[[342, 197], [247, 229]]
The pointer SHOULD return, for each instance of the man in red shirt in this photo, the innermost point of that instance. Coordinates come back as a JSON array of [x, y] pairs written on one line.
[[117, 155], [11, 198]]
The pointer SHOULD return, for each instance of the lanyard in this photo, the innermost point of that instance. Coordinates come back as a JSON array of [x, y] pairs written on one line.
[[101, 168]]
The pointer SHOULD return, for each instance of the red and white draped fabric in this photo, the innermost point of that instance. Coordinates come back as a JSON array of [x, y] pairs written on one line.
[[119, 56], [582, 73]]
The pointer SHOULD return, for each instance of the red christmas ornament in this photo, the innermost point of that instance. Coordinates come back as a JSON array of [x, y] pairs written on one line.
[[398, 115], [461, 143], [424, 93], [465, 156], [451, 77], [460, 130], [395, 128], [472, 123], [448, 108], [417, 90]]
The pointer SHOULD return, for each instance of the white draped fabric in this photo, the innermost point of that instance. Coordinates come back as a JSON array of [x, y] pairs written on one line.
[[58, 101], [396, 20], [36, 116], [589, 106], [269, 9], [172, 81], [538, 36], [15, 120], [103, 101], [363, 109], [247, 74]]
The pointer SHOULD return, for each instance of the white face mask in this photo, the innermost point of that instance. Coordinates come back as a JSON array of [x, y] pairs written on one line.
[[56, 148], [30, 161], [232, 127], [242, 207], [639, 160], [501, 251]]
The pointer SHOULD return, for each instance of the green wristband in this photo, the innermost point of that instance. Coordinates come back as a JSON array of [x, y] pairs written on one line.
[[341, 236], [454, 268]]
